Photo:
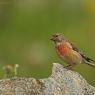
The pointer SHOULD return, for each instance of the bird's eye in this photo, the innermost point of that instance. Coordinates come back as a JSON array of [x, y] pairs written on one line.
[[56, 35]]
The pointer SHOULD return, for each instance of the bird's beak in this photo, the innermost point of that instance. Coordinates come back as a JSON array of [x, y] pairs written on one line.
[[52, 38]]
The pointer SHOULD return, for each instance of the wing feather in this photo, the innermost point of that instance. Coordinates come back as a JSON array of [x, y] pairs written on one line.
[[82, 54]]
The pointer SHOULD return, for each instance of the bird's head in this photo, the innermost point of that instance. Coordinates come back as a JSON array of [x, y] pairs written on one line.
[[58, 37]]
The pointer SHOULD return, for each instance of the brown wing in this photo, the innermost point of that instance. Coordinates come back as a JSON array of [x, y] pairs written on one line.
[[83, 55]]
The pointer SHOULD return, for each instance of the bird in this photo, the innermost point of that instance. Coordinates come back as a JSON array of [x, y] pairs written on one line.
[[69, 53]]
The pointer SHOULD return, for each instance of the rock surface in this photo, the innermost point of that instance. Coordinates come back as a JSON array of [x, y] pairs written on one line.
[[61, 82]]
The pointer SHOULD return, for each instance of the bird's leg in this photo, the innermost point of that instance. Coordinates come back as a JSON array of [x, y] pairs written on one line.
[[69, 67]]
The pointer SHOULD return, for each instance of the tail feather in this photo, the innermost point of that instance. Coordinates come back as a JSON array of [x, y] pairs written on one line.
[[88, 61], [90, 64]]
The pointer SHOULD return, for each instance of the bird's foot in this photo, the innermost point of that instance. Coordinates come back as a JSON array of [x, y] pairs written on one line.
[[69, 67]]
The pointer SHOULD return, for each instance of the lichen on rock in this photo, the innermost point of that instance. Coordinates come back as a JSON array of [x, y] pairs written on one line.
[[61, 82]]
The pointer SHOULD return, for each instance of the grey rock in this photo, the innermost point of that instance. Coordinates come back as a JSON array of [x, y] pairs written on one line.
[[61, 82]]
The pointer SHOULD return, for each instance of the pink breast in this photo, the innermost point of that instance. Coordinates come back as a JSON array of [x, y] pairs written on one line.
[[63, 50]]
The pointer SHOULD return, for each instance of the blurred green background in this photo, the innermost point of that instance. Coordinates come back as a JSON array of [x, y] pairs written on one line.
[[27, 25]]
